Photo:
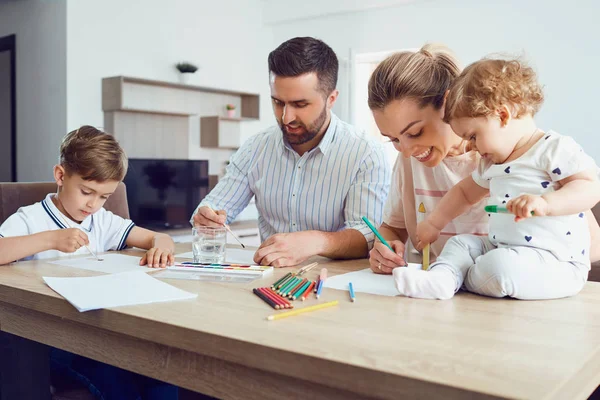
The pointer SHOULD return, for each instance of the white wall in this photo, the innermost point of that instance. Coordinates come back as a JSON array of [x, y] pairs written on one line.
[[146, 38], [40, 28], [559, 38]]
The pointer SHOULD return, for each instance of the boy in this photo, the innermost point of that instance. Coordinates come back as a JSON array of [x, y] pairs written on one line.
[[92, 164]]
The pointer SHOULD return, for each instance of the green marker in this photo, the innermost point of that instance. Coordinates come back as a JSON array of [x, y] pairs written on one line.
[[376, 232], [498, 210]]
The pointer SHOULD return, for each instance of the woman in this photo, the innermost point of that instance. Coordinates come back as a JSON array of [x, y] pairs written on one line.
[[406, 95]]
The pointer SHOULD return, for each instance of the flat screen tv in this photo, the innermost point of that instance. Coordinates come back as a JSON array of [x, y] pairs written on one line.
[[163, 194]]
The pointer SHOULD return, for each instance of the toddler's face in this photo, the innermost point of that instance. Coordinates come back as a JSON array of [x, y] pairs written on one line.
[[81, 198], [486, 134]]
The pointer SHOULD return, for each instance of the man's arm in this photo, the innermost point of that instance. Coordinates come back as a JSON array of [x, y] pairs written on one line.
[[232, 194]]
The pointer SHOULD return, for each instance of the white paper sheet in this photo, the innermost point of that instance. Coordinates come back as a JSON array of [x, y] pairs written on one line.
[[366, 281], [114, 290], [111, 264], [239, 256]]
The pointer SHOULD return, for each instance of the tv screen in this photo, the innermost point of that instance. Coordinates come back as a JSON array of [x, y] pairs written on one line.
[[163, 194]]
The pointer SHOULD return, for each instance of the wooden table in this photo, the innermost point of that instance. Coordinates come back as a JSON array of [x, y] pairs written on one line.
[[379, 347]]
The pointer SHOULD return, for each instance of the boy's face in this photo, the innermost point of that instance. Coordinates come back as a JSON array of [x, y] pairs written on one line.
[[80, 198]]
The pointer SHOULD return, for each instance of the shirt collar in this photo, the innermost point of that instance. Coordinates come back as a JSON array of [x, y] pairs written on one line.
[[60, 219]]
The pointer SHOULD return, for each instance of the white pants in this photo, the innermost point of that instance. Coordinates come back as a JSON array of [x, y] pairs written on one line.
[[521, 272]]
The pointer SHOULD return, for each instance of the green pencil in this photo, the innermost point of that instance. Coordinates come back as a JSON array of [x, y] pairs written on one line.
[[376, 232], [498, 210]]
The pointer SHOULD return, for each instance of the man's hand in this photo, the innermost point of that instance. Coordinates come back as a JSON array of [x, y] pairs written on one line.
[[289, 249], [383, 260], [523, 205], [206, 216], [69, 240]]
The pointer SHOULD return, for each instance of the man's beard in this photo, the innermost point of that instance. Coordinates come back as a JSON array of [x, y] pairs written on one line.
[[310, 132]]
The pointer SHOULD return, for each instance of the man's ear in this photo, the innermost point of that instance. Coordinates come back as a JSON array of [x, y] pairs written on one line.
[[59, 175], [332, 98], [505, 115]]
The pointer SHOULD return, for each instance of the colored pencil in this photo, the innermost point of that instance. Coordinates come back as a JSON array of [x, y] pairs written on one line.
[[421, 218], [285, 282], [293, 292], [292, 288], [317, 284], [308, 291], [319, 289], [376, 232], [281, 279], [301, 291], [265, 299], [351, 290], [287, 303], [278, 300], [287, 285], [499, 210], [302, 310]]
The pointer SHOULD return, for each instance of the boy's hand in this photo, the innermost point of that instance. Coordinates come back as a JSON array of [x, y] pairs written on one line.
[[426, 233], [206, 216], [158, 258], [523, 205], [69, 240]]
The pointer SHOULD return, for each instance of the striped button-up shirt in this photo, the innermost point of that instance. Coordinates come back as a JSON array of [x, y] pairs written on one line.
[[328, 188]]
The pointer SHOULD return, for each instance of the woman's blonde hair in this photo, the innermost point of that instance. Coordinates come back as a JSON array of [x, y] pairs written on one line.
[[488, 84], [93, 154], [424, 75]]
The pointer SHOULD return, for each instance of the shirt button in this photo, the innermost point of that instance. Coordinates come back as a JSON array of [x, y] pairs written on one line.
[[299, 167], [293, 195]]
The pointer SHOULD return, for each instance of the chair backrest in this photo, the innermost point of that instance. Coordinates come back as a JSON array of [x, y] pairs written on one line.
[[15, 195]]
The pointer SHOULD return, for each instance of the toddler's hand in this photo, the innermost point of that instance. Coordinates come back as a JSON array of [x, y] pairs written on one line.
[[69, 240], [158, 258], [523, 205], [426, 233]]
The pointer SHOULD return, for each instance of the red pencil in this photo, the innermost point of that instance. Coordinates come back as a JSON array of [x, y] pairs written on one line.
[[276, 299], [287, 303]]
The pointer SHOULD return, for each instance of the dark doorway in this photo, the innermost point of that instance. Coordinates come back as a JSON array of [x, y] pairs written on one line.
[[8, 109]]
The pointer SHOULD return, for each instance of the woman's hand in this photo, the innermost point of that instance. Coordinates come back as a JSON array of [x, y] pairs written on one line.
[[383, 260]]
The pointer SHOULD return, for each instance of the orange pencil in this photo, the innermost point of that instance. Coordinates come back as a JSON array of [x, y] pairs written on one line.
[[308, 291]]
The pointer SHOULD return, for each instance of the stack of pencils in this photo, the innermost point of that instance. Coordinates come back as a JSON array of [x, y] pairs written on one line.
[[290, 287]]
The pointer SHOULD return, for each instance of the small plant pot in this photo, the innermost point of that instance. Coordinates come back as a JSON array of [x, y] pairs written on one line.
[[231, 113], [184, 77]]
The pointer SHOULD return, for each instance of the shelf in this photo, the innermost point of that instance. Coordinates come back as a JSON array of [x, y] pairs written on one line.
[[144, 95], [220, 132]]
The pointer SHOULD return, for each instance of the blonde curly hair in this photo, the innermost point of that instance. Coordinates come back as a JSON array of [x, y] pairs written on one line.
[[486, 85]]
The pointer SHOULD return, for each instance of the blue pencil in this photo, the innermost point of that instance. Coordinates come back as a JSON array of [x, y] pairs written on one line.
[[352, 296], [319, 289]]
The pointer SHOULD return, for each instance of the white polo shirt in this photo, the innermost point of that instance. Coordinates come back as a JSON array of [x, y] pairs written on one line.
[[105, 230]]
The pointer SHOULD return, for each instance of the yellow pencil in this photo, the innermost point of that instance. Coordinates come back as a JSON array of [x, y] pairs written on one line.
[[302, 310], [422, 212]]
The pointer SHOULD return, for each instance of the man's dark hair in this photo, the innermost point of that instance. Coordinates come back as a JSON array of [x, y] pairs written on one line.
[[303, 55]]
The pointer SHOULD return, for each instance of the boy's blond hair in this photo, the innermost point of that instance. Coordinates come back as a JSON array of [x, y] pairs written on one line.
[[422, 75], [93, 154], [488, 84]]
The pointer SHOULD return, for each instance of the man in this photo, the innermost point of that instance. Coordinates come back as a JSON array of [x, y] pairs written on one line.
[[313, 176]]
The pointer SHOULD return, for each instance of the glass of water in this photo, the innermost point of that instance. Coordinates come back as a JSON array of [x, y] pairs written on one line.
[[208, 244]]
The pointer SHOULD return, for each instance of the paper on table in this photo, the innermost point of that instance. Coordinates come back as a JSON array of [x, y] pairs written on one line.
[[206, 276], [239, 256], [114, 290], [366, 281], [111, 264]]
